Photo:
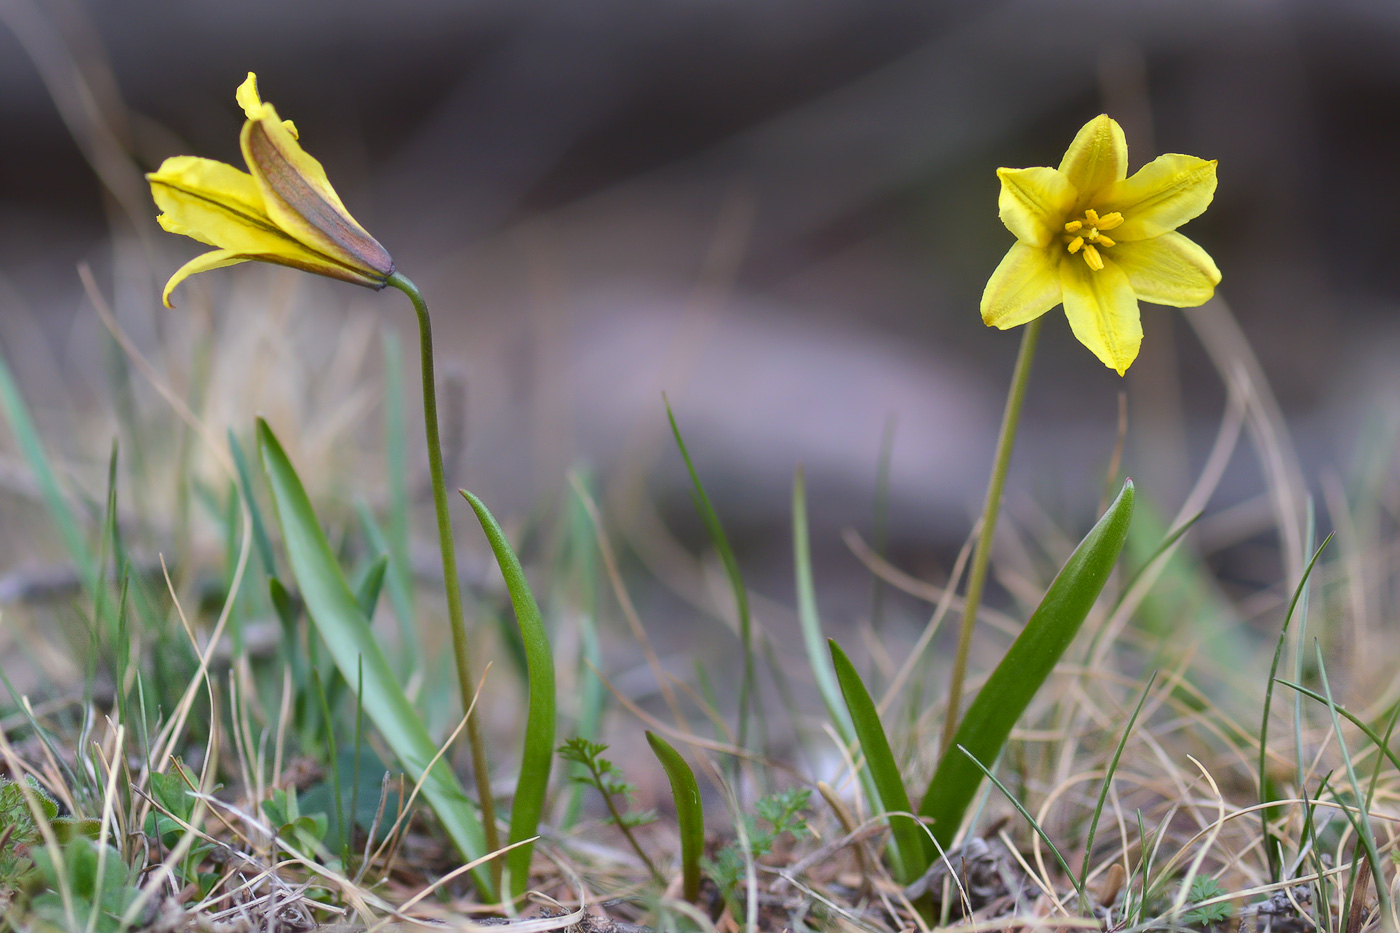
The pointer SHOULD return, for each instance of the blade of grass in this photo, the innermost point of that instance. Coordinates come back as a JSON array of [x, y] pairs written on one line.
[[582, 578], [822, 671], [27, 436], [336, 614], [731, 570], [1362, 820], [1026, 665], [400, 506], [1108, 780], [538, 755], [371, 584], [245, 487], [690, 813], [909, 856], [400, 585], [1267, 813], [1039, 831]]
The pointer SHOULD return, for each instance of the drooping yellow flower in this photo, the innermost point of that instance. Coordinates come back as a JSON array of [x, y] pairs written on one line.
[[285, 211], [1097, 241]]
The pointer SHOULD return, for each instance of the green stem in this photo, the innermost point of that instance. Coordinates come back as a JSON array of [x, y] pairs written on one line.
[[977, 576], [622, 824], [460, 649]]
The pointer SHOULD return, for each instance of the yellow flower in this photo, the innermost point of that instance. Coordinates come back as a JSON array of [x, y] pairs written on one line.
[[285, 211], [1097, 241]]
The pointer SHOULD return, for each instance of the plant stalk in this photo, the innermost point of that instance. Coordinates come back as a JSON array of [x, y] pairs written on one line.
[[977, 576], [460, 649]]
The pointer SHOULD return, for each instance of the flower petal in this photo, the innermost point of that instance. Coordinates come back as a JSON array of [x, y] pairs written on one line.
[[1024, 286], [301, 201], [1034, 202], [217, 204], [1160, 196], [1097, 158], [1102, 312], [212, 202], [1168, 270], [202, 263]]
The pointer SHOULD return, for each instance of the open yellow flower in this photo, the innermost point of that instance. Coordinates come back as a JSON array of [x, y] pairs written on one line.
[[1097, 241], [284, 212]]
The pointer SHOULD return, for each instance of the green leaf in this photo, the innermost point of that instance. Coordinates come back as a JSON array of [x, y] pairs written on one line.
[[911, 860], [820, 660], [337, 616], [731, 570], [1028, 662], [367, 590], [538, 755], [690, 813], [27, 437], [245, 488]]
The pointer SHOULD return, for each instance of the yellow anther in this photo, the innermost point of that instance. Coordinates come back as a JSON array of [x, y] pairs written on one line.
[[1109, 221], [1092, 216], [1092, 257], [1076, 244], [1105, 241], [1073, 226]]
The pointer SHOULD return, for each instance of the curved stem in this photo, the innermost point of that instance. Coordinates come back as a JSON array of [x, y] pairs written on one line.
[[977, 576], [460, 649]]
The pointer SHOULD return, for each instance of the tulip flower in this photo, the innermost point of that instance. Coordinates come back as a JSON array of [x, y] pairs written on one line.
[[1098, 241], [282, 210]]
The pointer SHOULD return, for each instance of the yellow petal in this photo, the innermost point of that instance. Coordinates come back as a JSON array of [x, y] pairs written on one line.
[[1034, 202], [1160, 196], [1102, 312], [301, 201], [212, 202], [1024, 286], [1168, 270], [1097, 158], [248, 98], [202, 263]]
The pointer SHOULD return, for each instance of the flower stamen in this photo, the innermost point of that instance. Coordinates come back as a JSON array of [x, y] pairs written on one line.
[[1087, 235]]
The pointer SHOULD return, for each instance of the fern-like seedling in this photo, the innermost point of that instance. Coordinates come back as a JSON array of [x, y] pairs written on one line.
[[777, 815], [1203, 888], [602, 775]]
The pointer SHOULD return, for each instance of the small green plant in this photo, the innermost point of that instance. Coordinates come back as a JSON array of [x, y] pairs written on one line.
[[169, 822], [305, 831], [1204, 888], [20, 835], [775, 816], [90, 886], [600, 773]]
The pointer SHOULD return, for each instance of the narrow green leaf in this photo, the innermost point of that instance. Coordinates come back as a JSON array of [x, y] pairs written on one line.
[[538, 755], [346, 632], [910, 858], [1027, 663], [690, 813], [371, 583], [400, 506], [245, 488], [399, 582], [731, 570], [1108, 781], [30, 445], [1267, 814], [1021, 809], [820, 660]]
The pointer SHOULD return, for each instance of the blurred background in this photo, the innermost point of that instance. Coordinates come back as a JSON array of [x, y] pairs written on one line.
[[780, 214]]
